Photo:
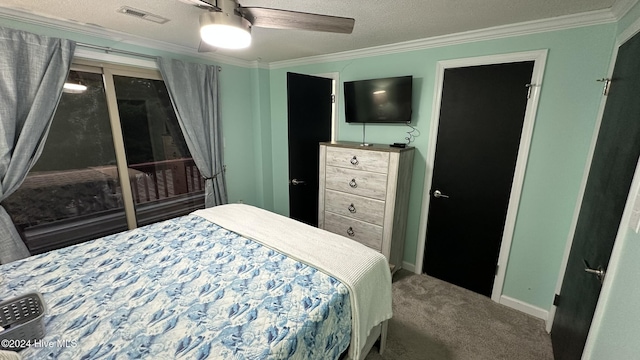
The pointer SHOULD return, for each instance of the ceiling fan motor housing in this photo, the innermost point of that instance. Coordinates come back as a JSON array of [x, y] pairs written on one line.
[[222, 18], [228, 14]]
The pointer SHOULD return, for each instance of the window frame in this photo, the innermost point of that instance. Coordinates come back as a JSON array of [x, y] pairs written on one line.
[[108, 70], [46, 237]]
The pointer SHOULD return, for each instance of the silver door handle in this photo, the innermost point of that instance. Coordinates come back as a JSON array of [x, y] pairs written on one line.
[[438, 194], [297, 182], [599, 272]]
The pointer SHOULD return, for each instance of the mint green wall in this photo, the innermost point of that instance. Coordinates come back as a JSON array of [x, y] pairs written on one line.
[[237, 105], [567, 113], [255, 131], [238, 128], [262, 137]]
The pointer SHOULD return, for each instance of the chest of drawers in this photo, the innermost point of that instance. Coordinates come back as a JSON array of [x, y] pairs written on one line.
[[364, 195]]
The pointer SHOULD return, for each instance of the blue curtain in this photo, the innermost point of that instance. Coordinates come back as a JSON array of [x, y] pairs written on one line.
[[33, 70], [193, 89]]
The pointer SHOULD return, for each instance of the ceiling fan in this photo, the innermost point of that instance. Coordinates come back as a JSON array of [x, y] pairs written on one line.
[[227, 24]]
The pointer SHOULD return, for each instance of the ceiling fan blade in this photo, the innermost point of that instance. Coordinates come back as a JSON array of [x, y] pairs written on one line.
[[203, 47], [203, 4], [285, 19]]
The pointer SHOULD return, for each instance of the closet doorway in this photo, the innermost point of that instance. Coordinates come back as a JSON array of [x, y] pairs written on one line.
[[480, 135], [310, 112]]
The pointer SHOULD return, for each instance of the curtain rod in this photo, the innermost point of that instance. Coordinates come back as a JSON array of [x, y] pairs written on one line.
[[123, 52], [112, 50]]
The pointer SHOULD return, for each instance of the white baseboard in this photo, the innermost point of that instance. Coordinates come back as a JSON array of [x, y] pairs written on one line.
[[524, 307], [409, 267], [552, 314]]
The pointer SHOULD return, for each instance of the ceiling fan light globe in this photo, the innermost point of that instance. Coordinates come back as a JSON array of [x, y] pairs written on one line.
[[227, 31], [225, 36]]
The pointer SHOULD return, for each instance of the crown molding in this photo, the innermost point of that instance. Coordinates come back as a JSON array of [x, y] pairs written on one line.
[[117, 37], [498, 32], [621, 7]]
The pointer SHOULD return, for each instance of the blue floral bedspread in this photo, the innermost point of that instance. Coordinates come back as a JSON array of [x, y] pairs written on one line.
[[182, 288]]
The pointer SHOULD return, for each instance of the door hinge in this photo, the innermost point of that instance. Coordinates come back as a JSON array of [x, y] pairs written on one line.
[[497, 268], [333, 99], [556, 300], [529, 87], [607, 84]]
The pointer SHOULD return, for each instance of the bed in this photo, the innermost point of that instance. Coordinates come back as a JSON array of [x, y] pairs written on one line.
[[229, 282]]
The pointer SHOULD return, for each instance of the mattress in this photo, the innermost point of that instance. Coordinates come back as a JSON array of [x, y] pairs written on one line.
[[364, 271], [182, 288]]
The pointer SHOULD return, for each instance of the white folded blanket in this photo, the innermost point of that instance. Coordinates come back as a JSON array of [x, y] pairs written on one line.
[[365, 272], [9, 355]]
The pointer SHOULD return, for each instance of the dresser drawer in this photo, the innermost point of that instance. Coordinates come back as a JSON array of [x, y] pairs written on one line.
[[357, 182], [367, 160], [362, 232], [354, 206]]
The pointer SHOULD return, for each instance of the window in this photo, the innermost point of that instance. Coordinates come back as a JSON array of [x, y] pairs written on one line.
[[162, 173], [123, 123]]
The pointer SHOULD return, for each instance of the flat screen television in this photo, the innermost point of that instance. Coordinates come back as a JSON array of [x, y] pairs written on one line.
[[386, 100]]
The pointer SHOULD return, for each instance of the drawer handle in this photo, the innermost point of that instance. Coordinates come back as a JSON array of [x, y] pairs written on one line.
[[353, 183], [350, 231], [352, 209], [354, 161]]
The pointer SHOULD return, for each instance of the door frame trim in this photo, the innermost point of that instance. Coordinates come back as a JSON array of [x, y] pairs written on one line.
[[625, 36], [335, 76], [539, 58]]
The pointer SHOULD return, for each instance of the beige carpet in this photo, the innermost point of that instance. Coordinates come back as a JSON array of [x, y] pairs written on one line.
[[436, 320]]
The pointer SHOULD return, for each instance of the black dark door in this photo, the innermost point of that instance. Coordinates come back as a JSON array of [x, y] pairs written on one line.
[[309, 107], [612, 168], [481, 118]]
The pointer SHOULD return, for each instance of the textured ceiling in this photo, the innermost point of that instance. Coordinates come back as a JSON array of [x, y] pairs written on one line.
[[377, 22]]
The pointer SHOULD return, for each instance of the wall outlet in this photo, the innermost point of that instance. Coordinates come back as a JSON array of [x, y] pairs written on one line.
[[240, 201]]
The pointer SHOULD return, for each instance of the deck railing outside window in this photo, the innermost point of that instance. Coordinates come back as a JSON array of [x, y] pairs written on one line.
[[164, 179]]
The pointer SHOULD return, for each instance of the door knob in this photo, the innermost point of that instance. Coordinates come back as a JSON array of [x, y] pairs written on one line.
[[599, 272], [437, 194], [297, 182]]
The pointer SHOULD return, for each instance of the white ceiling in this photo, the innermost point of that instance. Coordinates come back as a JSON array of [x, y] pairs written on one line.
[[378, 22]]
